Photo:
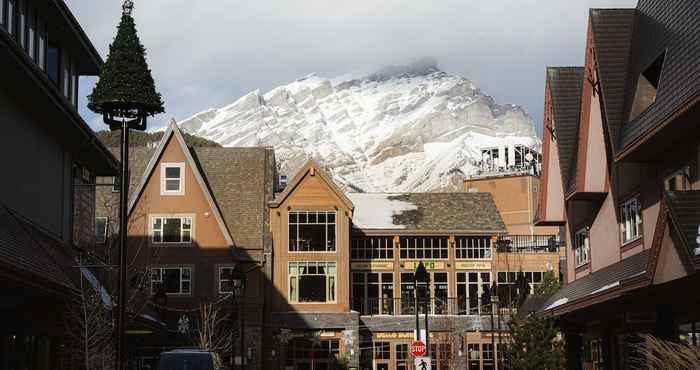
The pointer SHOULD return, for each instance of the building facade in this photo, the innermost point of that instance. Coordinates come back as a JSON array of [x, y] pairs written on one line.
[[344, 266], [621, 175], [51, 158]]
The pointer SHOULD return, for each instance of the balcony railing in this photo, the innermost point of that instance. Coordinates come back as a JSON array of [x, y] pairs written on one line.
[[528, 244], [407, 306]]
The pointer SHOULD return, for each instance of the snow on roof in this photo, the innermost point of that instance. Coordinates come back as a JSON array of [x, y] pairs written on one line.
[[605, 287], [377, 211], [557, 303], [104, 294]]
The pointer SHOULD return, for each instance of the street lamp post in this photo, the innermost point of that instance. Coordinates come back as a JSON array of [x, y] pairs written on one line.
[[239, 286], [422, 278]]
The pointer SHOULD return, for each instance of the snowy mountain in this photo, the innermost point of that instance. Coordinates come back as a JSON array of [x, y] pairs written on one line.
[[403, 128]]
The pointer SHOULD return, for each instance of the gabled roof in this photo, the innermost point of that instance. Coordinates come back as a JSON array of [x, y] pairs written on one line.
[[674, 30], [311, 167], [462, 212], [29, 251], [684, 210], [174, 131], [565, 85], [613, 31]]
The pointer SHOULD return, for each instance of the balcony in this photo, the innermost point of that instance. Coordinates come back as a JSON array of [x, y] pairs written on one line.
[[528, 244], [407, 306]]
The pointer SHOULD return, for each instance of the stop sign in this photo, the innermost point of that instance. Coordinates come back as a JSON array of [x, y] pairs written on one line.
[[418, 348]]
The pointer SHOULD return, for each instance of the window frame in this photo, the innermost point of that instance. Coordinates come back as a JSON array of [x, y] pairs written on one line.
[[219, 269], [164, 179], [106, 230], [579, 262], [642, 112], [334, 277], [181, 268], [636, 219], [468, 240], [326, 224], [182, 217]]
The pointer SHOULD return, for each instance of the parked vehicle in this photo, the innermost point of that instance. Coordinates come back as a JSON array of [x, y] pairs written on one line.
[[189, 359]]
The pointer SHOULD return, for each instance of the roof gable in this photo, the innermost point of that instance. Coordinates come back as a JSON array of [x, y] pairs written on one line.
[[684, 212], [177, 139], [311, 168]]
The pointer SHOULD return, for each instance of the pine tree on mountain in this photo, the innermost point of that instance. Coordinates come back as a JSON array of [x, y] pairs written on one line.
[[125, 80]]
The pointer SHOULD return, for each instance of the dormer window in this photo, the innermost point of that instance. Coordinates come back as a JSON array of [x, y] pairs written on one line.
[[172, 177], [647, 86], [582, 247]]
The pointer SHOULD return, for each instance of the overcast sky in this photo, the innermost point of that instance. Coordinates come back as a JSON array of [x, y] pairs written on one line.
[[207, 53]]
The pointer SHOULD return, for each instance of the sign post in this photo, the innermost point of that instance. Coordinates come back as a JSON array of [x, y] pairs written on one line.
[[418, 348], [422, 363]]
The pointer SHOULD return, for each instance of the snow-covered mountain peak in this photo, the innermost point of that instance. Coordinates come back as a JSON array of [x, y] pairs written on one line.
[[401, 128]]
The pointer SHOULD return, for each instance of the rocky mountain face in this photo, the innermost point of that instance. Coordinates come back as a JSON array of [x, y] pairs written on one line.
[[403, 128]]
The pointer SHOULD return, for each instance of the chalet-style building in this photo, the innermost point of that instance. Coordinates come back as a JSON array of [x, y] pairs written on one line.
[[50, 159], [620, 172], [195, 214], [344, 266]]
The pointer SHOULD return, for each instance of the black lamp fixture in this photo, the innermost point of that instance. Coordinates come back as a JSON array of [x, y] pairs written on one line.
[[125, 95], [238, 280]]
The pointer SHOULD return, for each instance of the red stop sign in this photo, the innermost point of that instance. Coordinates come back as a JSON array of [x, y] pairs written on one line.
[[418, 348]]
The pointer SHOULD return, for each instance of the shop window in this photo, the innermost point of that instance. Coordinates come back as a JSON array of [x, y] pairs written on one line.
[[581, 247], [382, 351], [173, 280], [647, 87], [373, 293], [472, 287], [631, 220], [312, 282], [474, 356], [368, 248], [424, 247], [473, 247], [487, 356], [408, 294], [312, 231], [596, 354], [402, 357]]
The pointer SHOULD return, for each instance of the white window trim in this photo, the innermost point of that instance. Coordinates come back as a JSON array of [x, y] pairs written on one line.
[[163, 190], [181, 268], [106, 231], [635, 222], [587, 247], [152, 217], [219, 268], [335, 284], [116, 184]]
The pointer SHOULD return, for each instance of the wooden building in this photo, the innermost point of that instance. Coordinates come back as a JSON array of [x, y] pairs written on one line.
[[621, 155], [50, 158]]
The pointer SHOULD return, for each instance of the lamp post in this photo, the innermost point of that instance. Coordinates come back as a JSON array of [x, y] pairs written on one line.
[[421, 282], [239, 284], [125, 95]]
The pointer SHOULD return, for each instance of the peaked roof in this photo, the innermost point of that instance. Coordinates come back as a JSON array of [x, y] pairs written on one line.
[[460, 212], [174, 131], [684, 209], [613, 31], [311, 166], [673, 30], [565, 85]]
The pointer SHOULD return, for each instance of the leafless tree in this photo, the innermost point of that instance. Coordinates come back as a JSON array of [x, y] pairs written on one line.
[[213, 331]]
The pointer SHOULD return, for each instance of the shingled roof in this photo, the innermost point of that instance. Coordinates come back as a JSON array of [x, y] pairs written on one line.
[[565, 86], [684, 208], [675, 31], [32, 253], [459, 212]]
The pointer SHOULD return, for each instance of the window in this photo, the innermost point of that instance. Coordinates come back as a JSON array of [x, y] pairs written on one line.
[[41, 44], [408, 303], [53, 64], [11, 8], [226, 279], [474, 355], [471, 287], [101, 227], [373, 293], [473, 247], [647, 86], [596, 354], [172, 181], [382, 350], [402, 356], [678, 180], [581, 247], [631, 220], [487, 356], [22, 22], [173, 280], [171, 229], [312, 282], [424, 247], [312, 231], [116, 184], [368, 248]]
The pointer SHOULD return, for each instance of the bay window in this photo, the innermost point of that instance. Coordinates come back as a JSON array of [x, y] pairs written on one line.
[[312, 231], [630, 220], [171, 229], [312, 282]]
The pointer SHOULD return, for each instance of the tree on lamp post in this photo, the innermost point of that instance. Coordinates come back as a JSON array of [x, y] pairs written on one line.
[[125, 95]]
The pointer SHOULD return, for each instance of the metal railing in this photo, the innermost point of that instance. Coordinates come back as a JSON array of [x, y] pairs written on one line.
[[407, 306], [528, 244]]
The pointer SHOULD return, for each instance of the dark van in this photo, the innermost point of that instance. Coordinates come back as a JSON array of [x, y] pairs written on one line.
[[189, 359]]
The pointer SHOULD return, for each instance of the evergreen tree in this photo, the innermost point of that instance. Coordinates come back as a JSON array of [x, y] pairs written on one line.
[[125, 81], [550, 284], [536, 344]]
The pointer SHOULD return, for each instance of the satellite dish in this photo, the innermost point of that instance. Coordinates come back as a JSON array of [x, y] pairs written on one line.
[[529, 157]]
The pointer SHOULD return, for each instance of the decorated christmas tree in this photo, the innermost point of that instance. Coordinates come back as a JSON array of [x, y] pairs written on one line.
[[126, 87]]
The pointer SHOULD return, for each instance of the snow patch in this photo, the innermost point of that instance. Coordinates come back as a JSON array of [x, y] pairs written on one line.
[[605, 287], [557, 303], [376, 211], [92, 279]]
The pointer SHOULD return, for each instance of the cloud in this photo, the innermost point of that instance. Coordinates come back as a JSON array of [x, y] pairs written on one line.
[[208, 53]]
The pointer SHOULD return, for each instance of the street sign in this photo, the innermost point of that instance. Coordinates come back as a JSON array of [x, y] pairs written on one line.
[[418, 348], [422, 363]]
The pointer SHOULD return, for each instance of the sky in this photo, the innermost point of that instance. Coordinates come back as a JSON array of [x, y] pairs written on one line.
[[208, 53]]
